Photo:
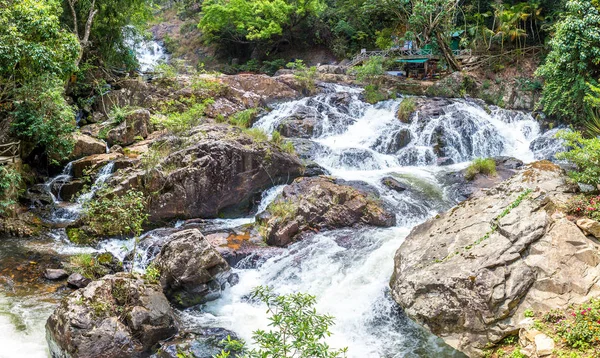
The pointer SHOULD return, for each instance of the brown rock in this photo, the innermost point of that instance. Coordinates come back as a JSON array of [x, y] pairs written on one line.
[[92, 163], [318, 203], [136, 125], [86, 145], [590, 226]]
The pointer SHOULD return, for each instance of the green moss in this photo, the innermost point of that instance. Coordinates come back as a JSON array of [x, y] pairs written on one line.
[[80, 237]]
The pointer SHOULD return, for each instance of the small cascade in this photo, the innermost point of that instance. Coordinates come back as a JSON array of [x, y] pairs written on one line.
[[102, 177], [54, 185], [66, 213]]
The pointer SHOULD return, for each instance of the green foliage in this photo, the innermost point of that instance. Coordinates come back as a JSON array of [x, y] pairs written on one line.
[[180, 122], [406, 108], [585, 154], [112, 215], [287, 147], [87, 265], [283, 209], [572, 64], [582, 328], [43, 117], [10, 181], [300, 330], [152, 273], [306, 76], [584, 205], [243, 119], [481, 166], [370, 71], [32, 43], [528, 313], [165, 73], [257, 134], [244, 21], [270, 67]]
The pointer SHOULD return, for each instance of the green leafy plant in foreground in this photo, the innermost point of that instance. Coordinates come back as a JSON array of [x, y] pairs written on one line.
[[112, 215], [299, 332], [585, 154], [10, 180]]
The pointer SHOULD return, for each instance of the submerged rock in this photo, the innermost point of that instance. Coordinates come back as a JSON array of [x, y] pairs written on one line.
[[118, 316], [471, 284], [191, 270], [318, 203]]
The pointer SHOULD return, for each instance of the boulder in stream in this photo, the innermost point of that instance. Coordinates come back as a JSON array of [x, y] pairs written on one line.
[[191, 270], [470, 274], [319, 203], [119, 316]]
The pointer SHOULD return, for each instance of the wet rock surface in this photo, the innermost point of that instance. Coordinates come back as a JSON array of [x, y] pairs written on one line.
[[117, 316], [220, 171], [192, 271], [471, 285], [319, 203]]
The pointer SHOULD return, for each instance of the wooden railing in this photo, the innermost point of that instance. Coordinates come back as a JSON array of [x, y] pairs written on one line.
[[10, 152]]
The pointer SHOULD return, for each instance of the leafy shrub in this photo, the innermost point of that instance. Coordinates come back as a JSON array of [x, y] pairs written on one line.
[[481, 166], [270, 67], [213, 87], [300, 330], [87, 265], [276, 138], [583, 205], [112, 215], [373, 94], [306, 76], [178, 122], [406, 108], [165, 73], [45, 118], [10, 180], [585, 154], [370, 71], [244, 118]]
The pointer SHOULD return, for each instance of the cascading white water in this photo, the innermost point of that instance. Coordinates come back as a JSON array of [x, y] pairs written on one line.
[[69, 213], [348, 270], [149, 53]]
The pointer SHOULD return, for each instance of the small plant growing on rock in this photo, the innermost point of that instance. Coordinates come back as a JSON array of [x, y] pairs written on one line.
[[152, 273], [306, 76], [87, 265], [299, 329], [528, 313], [243, 119], [406, 108], [481, 166], [257, 134]]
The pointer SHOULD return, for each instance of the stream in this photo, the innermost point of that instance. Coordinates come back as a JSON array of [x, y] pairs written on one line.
[[348, 270]]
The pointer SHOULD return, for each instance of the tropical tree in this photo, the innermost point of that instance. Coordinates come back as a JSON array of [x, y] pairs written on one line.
[[573, 63], [36, 57]]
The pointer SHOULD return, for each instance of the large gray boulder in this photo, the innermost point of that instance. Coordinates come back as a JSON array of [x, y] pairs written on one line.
[[119, 316], [471, 285], [191, 270], [319, 203]]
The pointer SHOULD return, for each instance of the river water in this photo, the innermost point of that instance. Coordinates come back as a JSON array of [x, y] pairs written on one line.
[[348, 270]]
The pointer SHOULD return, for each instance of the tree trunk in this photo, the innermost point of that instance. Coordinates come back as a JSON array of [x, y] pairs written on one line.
[[447, 52]]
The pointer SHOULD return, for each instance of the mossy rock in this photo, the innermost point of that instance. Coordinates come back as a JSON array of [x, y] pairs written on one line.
[[80, 236]]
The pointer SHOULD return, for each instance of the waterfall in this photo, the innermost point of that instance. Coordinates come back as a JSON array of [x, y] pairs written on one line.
[[149, 53], [70, 212], [348, 269], [55, 184]]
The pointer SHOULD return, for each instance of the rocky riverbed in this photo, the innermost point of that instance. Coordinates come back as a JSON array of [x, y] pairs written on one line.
[[231, 209]]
